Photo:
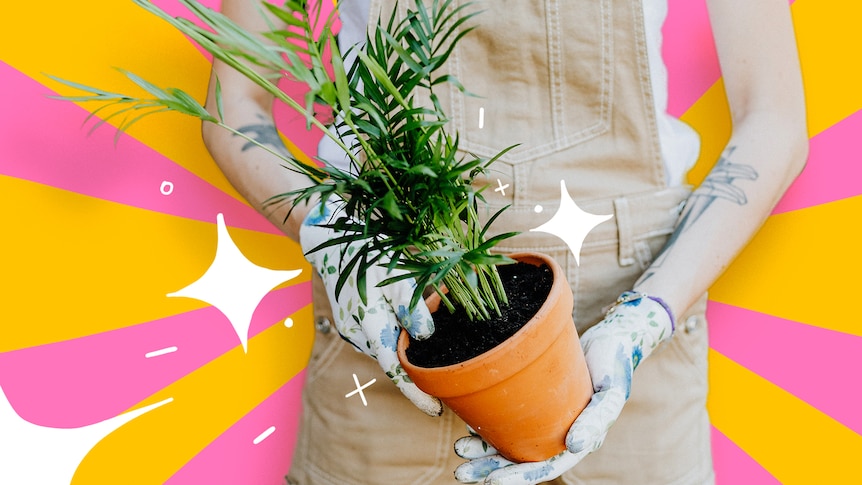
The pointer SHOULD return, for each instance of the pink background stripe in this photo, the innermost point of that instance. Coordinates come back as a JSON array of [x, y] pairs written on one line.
[[175, 9], [733, 466], [129, 173], [689, 54], [234, 458], [89, 379], [833, 171], [817, 365], [291, 124]]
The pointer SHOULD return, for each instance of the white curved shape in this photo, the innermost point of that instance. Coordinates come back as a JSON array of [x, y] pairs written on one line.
[[38, 455]]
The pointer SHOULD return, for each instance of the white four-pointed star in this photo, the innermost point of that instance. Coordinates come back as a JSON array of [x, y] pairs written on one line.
[[570, 223], [37, 455], [234, 285]]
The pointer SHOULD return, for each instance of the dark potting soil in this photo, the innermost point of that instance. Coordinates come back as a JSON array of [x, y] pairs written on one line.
[[456, 338]]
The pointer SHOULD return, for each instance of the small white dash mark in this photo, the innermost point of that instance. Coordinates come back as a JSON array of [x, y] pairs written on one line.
[[264, 435], [159, 352], [481, 118]]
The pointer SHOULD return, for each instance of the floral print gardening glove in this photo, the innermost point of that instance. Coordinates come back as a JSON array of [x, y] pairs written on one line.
[[371, 327], [630, 331]]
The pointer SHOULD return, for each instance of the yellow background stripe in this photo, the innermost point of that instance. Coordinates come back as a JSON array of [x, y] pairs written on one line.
[[801, 266], [74, 265], [84, 42], [830, 39], [828, 34], [792, 440]]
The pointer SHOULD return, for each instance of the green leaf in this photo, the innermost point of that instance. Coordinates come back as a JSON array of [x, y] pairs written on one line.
[[286, 17], [218, 97], [382, 77], [390, 205], [342, 86], [410, 195]]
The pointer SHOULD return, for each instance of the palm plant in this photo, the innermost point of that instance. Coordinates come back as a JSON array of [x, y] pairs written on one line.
[[409, 196]]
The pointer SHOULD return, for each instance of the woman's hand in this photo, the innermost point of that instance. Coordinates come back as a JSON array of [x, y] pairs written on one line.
[[613, 348], [371, 326]]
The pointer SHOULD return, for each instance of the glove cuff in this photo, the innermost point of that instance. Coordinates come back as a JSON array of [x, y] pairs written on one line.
[[629, 296]]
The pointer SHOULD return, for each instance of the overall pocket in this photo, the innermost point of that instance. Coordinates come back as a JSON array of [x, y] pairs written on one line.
[[547, 78]]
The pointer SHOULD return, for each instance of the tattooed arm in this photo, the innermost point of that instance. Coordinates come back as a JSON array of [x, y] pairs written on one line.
[[255, 173], [767, 150]]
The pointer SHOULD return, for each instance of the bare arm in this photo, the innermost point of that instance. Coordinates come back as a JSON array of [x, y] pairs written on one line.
[[767, 150], [255, 173]]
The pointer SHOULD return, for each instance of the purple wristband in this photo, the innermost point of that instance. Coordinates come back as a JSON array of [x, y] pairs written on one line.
[[666, 308]]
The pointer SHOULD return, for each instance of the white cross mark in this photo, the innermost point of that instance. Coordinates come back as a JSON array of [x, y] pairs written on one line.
[[360, 388], [501, 188]]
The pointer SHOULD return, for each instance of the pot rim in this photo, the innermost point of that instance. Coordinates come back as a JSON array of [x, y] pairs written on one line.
[[486, 369]]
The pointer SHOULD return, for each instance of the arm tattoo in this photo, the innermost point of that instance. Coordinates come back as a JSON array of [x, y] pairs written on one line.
[[263, 133], [717, 185]]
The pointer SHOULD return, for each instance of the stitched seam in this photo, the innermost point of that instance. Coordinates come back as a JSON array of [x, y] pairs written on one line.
[[327, 356], [644, 254], [442, 449], [624, 231], [598, 128], [608, 71], [456, 101], [586, 247], [576, 288], [520, 188], [658, 170], [553, 42], [319, 472]]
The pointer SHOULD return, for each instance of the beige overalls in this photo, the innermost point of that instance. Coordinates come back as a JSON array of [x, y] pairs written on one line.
[[569, 81]]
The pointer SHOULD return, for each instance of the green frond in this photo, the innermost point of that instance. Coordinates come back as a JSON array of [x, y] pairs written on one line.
[[410, 197]]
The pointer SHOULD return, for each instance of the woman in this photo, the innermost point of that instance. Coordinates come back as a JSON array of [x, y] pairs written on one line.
[[582, 86]]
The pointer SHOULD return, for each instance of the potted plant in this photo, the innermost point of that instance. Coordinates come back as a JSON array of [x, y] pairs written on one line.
[[409, 196]]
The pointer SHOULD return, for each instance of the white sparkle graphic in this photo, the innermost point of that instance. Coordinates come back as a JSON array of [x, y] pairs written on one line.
[[36, 455], [288, 322], [360, 388], [264, 435], [570, 223], [234, 285]]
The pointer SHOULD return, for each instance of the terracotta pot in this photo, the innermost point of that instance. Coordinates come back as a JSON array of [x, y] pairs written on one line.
[[523, 395]]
